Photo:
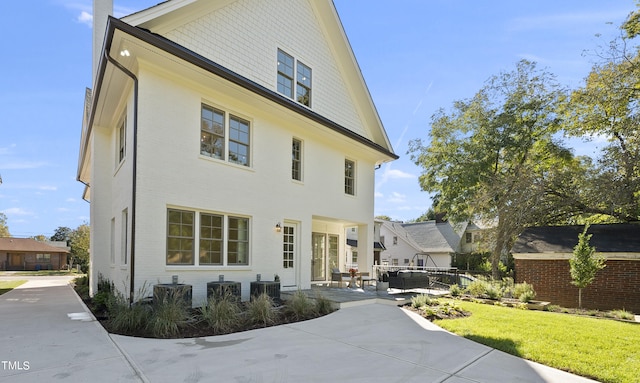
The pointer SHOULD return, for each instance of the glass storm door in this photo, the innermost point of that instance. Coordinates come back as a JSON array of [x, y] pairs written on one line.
[[318, 257]]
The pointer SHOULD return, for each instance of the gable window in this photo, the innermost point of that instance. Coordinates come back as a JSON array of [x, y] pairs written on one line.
[[349, 177], [218, 239], [219, 131], [296, 159], [286, 76], [468, 237], [121, 141], [303, 88]]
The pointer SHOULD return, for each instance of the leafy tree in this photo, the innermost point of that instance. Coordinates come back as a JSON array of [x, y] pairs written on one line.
[[79, 243], [61, 234], [584, 263], [384, 217], [4, 228], [495, 157], [40, 237]]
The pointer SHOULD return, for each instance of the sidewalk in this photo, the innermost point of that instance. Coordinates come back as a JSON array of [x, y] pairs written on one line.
[[363, 343], [40, 342]]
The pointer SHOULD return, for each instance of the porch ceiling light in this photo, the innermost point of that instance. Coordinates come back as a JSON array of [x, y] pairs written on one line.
[[125, 53]]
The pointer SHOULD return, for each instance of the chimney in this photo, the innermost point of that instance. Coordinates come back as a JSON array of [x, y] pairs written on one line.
[[102, 9]]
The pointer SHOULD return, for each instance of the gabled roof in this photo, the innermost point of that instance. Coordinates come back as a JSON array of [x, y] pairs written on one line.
[[614, 238], [427, 237], [142, 32], [27, 245]]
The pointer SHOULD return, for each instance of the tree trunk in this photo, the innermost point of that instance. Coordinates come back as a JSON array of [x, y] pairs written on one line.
[[579, 298]]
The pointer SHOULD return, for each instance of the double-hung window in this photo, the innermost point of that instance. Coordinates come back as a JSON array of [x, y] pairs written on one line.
[[290, 72], [224, 136], [121, 141], [349, 177], [218, 239], [296, 159]]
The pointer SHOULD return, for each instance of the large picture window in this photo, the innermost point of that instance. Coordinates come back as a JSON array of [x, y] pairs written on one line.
[[218, 239], [224, 136]]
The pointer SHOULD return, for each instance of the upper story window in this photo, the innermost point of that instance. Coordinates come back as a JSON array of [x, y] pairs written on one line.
[[296, 159], [290, 70], [121, 141], [224, 136], [468, 237], [349, 177]]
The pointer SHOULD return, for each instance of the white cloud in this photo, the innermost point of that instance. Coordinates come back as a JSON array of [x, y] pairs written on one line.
[[16, 211], [70, 199], [63, 209], [397, 197], [85, 18], [377, 195], [19, 165], [48, 188]]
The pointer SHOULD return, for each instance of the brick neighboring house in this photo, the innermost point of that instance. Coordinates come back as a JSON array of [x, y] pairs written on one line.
[[542, 258], [29, 254]]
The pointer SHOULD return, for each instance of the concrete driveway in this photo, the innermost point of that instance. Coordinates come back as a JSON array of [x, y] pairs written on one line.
[[366, 343]]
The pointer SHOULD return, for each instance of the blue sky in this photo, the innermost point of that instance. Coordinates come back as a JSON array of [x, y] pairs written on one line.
[[416, 56]]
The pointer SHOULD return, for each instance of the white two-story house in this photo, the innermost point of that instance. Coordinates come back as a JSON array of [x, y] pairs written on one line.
[[227, 137]]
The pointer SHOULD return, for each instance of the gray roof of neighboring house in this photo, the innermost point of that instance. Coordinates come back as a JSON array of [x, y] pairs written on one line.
[[428, 236], [613, 238], [28, 245]]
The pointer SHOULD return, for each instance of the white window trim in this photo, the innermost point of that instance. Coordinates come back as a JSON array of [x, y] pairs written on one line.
[[227, 116], [355, 177], [294, 90], [196, 242], [301, 141], [121, 142], [124, 239]]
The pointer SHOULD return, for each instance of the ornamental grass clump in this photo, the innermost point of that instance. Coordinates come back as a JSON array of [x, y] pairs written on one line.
[[222, 313], [168, 316], [261, 311], [421, 300], [324, 305], [524, 292], [299, 307]]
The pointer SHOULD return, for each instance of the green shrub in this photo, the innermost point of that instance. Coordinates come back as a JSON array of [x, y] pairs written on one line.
[[623, 314], [222, 313], [493, 291], [323, 305], [552, 308], [421, 300], [477, 288], [299, 307], [455, 290], [127, 319], [168, 315], [524, 292], [260, 311]]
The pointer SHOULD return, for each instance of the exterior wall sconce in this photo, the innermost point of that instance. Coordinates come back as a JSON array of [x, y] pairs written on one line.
[[278, 227]]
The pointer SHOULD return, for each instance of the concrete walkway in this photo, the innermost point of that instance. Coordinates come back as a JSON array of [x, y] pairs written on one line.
[[363, 343]]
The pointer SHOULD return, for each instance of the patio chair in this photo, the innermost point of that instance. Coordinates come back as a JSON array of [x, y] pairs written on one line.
[[337, 276]]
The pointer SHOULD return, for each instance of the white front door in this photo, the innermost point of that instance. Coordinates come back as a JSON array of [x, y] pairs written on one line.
[[290, 255]]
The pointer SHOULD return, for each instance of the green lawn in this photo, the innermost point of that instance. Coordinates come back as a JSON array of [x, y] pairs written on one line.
[[6, 286], [605, 350], [40, 273]]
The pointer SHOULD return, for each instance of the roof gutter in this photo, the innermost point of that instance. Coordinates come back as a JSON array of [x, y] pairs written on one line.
[[132, 251]]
